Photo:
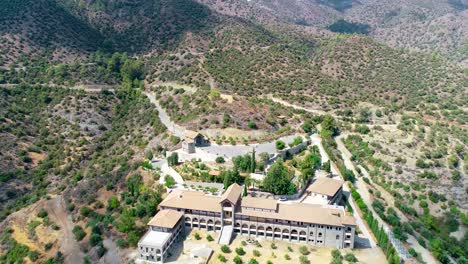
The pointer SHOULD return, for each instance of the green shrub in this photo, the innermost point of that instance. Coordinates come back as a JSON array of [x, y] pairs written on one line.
[[86, 211], [304, 260], [252, 125], [209, 238], [113, 203], [225, 249], [79, 233], [222, 258], [304, 250], [280, 145], [94, 239], [197, 236], [336, 254], [33, 255], [253, 261], [256, 253], [240, 251], [121, 243], [170, 182], [48, 246], [350, 258], [42, 213], [413, 252], [237, 260]]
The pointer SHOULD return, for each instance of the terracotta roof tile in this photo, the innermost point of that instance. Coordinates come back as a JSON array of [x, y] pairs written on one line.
[[232, 194], [325, 186], [166, 218]]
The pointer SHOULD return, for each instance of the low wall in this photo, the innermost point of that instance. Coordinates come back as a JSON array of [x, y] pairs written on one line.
[[293, 150], [295, 196]]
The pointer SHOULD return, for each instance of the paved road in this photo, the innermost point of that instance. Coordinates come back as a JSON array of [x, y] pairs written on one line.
[[227, 151], [230, 151], [164, 117]]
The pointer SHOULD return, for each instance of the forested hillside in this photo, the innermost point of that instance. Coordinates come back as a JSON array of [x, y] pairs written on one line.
[[43, 28], [419, 25], [57, 141], [389, 71], [189, 42]]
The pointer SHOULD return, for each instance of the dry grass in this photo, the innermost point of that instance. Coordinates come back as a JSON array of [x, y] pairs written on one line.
[[37, 157]]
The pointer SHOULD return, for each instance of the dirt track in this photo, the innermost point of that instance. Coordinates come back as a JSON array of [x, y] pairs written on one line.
[[68, 245], [64, 241]]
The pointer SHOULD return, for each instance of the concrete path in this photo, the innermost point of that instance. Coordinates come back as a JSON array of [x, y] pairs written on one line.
[[112, 254], [167, 170], [226, 235]]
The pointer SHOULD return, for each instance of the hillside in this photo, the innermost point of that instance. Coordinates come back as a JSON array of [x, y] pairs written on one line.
[[418, 25], [77, 145], [240, 72], [43, 28]]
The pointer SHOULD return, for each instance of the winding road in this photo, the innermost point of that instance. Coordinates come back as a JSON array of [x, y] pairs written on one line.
[[227, 151], [164, 117]]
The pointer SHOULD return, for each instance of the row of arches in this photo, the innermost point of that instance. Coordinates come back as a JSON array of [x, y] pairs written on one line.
[[283, 233], [202, 221]]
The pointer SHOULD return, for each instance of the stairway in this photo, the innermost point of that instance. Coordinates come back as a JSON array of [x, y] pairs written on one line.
[[225, 235]]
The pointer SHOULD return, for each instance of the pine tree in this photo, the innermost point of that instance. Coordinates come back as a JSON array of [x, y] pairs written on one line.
[[253, 162]]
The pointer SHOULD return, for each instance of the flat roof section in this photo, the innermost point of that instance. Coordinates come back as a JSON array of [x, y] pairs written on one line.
[[155, 238]]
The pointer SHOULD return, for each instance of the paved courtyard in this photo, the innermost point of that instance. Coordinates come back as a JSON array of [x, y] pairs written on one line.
[[229, 151]]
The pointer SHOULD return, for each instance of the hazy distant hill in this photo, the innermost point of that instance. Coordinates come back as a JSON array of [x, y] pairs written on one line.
[[422, 25]]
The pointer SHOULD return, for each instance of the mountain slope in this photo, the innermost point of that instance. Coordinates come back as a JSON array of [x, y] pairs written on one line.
[[421, 25], [141, 25], [43, 27]]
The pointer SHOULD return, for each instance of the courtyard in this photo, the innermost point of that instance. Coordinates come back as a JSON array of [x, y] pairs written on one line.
[[262, 250]]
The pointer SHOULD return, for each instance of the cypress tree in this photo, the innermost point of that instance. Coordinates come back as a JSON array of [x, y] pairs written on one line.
[[253, 162]]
